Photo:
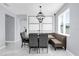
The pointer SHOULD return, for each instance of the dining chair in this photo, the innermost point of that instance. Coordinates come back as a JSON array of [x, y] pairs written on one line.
[[23, 39], [43, 41], [33, 41]]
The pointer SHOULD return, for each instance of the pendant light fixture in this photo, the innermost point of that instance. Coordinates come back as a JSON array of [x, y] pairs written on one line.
[[40, 16]]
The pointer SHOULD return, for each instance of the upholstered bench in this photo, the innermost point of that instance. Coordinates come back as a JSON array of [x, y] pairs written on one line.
[[51, 37], [56, 43], [57, 40]]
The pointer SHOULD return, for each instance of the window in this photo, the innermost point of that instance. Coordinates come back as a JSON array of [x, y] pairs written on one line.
[[64, 22], [47, 25], [33, 25], [44, 27]]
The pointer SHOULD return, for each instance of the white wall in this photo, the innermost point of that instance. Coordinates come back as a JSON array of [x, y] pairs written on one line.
[[17, 29], [73, 39], [2, 28], [73, 44], [3, 11], [23, 22]]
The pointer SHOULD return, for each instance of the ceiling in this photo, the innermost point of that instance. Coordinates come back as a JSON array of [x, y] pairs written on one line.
[[33, 8]]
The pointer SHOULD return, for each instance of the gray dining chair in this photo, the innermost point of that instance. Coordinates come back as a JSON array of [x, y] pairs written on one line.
[[43, 41], [33, 41], [23, 39]]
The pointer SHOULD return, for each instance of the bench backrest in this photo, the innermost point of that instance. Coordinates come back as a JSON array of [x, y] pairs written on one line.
[[60, 37]]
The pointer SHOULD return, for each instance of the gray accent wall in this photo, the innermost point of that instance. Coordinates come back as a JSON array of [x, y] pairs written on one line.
[[73, 39], [9, 28]]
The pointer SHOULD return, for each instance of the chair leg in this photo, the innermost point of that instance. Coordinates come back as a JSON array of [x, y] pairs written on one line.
[[64, 48], [55, 48], [47, 49], [29, 50], [22, 45], [37, 50], [42, 49]]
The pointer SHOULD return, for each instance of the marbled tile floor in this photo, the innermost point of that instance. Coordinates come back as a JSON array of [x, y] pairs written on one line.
[[14, 49]]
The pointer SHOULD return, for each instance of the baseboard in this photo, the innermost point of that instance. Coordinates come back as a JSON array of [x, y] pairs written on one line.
[[12, 41], [9, 41], [2, 47], [70, 53]]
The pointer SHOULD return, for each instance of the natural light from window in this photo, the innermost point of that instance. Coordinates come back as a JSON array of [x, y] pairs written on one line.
[[64, 22]]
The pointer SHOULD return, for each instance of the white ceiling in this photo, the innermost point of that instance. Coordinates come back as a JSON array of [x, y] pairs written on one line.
[[33, 8]]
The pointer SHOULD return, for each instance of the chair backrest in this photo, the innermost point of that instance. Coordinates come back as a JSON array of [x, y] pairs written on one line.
[[61, 38], [43, 40], [22, 34], [33, 40]]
